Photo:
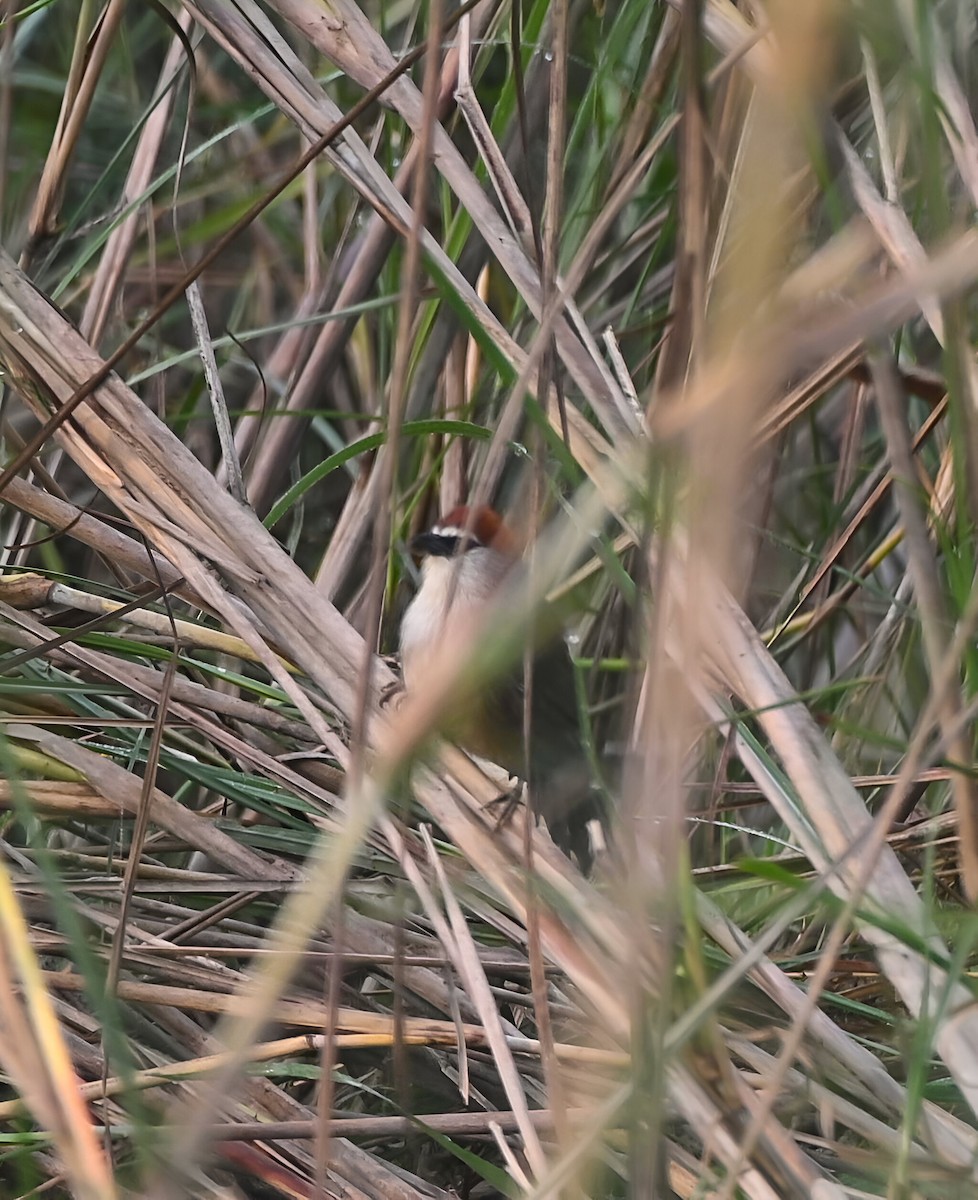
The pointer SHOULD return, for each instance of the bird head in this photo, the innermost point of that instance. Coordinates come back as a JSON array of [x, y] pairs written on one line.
[[465, 529], [465, 556]]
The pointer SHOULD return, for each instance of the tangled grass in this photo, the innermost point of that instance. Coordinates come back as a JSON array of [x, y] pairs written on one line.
[[683, 288]]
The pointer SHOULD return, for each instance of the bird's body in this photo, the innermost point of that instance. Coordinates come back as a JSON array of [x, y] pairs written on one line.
[[467, 556]]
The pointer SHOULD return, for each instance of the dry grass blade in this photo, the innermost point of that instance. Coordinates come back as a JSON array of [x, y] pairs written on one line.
[[477, 988], [839, 835], [37, 1058], [933, 614], [121, 788], [88, 60], [113, 263], [355, 46]]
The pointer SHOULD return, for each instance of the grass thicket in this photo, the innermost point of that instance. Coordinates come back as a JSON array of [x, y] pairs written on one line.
[[684, 288]]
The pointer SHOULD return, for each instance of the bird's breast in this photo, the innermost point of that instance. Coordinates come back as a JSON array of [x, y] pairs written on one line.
[[451, 592]]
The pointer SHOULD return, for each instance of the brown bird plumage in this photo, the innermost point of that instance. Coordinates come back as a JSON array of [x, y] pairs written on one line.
[[467, 556]]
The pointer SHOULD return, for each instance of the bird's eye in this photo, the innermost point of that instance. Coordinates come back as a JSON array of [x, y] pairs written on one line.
[[441, 544]]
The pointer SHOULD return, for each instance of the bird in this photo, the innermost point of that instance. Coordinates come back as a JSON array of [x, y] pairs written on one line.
[[467, 556]]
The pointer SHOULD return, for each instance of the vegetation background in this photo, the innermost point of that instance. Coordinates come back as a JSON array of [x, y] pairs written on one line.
[[684, 288]]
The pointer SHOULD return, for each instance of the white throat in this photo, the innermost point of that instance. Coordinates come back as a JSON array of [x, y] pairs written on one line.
[[450, 587]]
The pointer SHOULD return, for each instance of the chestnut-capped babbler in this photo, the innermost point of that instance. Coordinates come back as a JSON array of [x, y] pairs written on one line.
[[466, 556]]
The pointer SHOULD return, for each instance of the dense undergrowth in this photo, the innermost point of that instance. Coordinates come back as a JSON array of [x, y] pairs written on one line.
[[683, 289]]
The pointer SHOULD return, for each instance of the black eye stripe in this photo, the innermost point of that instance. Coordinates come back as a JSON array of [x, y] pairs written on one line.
[[443, 545]]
